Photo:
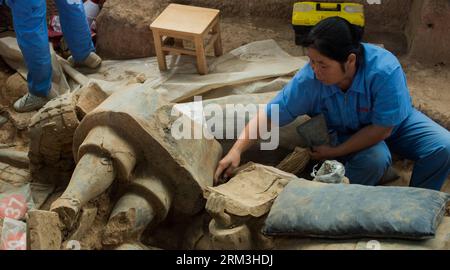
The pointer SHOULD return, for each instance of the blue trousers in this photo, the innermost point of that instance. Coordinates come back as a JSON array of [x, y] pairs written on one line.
[[419, 139], [29, 20]]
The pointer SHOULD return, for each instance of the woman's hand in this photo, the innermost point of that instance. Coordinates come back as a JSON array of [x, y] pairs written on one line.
[[324, 152], [227, 165]]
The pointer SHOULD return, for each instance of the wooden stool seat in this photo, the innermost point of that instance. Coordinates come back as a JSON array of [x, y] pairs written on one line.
[[182, 22]]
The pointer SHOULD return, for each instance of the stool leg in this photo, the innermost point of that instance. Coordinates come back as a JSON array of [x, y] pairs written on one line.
[[159, 52], [218, 51], [202, 66]]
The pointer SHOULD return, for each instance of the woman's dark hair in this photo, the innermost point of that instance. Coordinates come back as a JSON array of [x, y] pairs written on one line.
[[336, 38]]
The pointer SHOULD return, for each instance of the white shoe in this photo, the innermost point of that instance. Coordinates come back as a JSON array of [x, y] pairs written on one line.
[[30, 102], [92, 61]]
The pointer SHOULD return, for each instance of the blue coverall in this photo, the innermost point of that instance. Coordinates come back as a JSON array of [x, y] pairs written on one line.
[[30, 25], [378, 95]]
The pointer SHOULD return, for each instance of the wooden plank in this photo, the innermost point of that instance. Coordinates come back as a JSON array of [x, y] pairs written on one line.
[[179, 50], [184, 36]]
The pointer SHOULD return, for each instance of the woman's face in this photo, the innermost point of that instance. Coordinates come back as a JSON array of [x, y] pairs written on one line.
[[327, 70]]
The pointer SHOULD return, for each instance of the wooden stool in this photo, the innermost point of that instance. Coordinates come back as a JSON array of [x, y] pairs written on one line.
[[183, 22]]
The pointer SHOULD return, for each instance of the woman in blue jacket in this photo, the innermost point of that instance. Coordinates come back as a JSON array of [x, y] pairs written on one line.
[[29, 20], [361, 90]]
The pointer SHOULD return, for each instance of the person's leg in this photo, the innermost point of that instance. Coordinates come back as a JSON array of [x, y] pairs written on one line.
[[75, 28], [31, 30], [422, 140], [368, 166]]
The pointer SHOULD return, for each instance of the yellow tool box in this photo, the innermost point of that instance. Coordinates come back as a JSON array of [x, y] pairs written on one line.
[[307, 14]]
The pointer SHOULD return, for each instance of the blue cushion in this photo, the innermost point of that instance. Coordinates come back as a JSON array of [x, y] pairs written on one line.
[[313, 209]]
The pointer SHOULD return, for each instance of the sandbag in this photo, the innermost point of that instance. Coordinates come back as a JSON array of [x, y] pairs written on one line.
[[315, 209]]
